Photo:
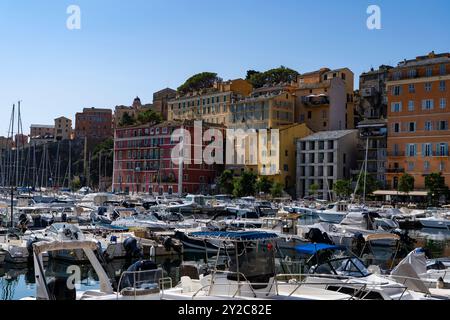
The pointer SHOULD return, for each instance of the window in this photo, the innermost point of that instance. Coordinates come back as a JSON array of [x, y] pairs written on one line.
[[411, 150], [411, 88], [443, 125], [343, 76], [396, 107], [428, 126], [309, 115], [442, 149], [442, 69], [410, 166], [428, 86], [412, 127], [427, 150], [286, 168], [397, 127], [412, 73], [428, 104], [441, 166], [396, 90], [429, 72], [410, 105], [426, 165], [443, 103], [442, 86]]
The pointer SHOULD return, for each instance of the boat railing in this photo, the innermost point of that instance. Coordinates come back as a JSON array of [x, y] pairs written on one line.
[[428, 282], [139, 283]]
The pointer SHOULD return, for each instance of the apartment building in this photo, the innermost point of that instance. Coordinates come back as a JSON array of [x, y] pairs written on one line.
[[373, 93], [161, 101], [94, 124], [325, 99], [63, 129], [418, 119], [322, 159], [41, 130], [210, 105], [143, 160]]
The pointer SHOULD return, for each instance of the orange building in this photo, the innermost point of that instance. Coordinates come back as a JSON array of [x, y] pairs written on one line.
[[418, 118]]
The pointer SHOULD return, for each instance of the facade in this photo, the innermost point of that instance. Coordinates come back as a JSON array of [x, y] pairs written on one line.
[[6, 143], [325, 100], [63, 129], [21, 139], [93, 124], [418, 119], [373, 94], [41, 130], [143, 162], [373, 143], [161, 101], [210, 105], [323, 158]]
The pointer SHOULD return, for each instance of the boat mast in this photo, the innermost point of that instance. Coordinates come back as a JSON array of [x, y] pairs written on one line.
[[365, 169], [11, 163]]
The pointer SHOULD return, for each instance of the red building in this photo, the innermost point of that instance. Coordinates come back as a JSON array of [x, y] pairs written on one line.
[[93, 124], [143, 160]]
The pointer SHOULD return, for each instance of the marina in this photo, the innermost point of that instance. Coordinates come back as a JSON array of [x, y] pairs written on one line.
[[107, 235]]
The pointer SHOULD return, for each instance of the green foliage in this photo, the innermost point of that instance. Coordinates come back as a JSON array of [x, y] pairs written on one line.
[[199, 81], [263, 184], [406, 183], [245, 185], [435, 184], [127, 120], [149, 116], [342, 188], [273, 76], [226, 183], [277, 190], [372, 184], [75, 183], [313, 189]]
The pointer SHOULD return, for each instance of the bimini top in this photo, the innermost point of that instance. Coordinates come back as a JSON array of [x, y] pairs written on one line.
[[313, 248], [234, 236]]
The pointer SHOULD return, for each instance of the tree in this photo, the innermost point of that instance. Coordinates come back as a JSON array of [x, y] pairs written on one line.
[[435, 184], [149, 116], [245, 185], [263, 184], [127, 120], [372, 184], [226, 182], [313, 189], [199, 81], [272, 76], [406, 183], [277, 190], [342, 188]]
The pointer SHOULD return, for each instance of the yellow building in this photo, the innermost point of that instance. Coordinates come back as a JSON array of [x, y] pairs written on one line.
[[210, 105], [63, 129]]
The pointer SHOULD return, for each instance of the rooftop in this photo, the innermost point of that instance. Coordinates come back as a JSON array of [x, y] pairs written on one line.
[[328, 135]]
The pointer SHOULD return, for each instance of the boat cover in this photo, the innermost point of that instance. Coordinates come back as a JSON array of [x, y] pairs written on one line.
[[313, 248], [235, 236]]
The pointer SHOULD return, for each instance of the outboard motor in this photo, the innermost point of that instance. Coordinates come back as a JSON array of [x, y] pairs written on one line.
[[131, 248], [59, 290], [64, 217], [316, 236]]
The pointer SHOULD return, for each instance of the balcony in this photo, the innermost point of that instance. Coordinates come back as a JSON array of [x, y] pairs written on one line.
[[395, 170], [396, 154], [316, 100]]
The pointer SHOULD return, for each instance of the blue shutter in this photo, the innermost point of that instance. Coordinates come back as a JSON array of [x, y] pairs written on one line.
[[423, 150]]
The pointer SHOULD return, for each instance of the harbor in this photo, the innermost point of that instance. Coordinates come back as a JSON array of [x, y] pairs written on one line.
[[189, 239]]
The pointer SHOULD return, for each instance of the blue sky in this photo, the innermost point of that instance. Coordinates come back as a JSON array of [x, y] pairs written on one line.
[[136, 47]]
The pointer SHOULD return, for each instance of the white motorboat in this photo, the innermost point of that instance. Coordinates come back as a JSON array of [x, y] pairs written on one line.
[[334, 213], [437, 221], [133, 285]]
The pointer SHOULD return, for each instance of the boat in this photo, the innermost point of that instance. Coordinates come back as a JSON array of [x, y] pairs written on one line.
[[334, 213], [437, 221], [135, 284]]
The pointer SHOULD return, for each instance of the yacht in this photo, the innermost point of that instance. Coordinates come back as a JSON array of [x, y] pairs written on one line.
[[334, 213], [436, 221]]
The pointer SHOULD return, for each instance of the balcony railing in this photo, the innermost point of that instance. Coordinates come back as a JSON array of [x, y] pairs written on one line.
[[316, 100], [396, 154], [395, 170]]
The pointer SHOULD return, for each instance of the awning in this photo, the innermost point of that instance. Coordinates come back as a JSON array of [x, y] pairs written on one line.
[[398, 193], [382, 236], [313, 248]]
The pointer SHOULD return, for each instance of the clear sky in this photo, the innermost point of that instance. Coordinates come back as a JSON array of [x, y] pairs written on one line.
[[136, 47]]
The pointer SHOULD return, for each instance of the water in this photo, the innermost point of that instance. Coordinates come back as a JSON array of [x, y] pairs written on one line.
[[18, 282]]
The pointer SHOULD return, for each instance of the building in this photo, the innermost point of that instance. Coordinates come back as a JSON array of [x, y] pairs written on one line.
[[373, 144], [132, 110], [325, 101], [41, 130], [21, 140], [418, 119], [93, 124], [373, 94], [210, 105], [324, 158], [161, 101], [6, 143], [143, 162], [63, 129]]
